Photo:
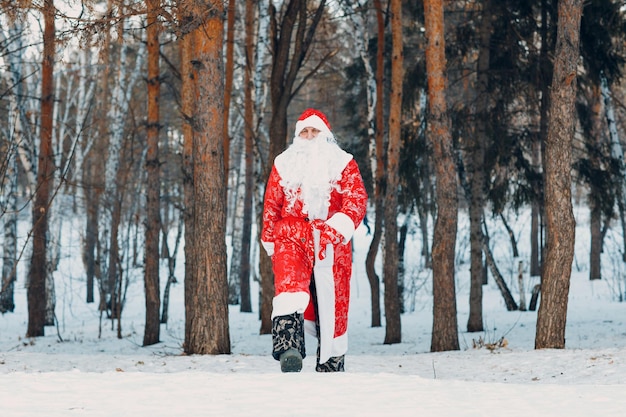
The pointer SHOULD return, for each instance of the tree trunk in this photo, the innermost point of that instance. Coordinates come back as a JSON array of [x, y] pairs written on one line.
[[537, 207], [425, 242], [445, 329], [379, 171], [171, 263], [520, 283], [617, 152], [187, 109], [560, 222], [209, 332], [45, 173], [244, 277], [404, 229], [393, 333], [92, 175], [509, 301], [153, 219], [8, 181], [237, 195], [595, 194], [478, 143], [9, 208], [228, 83]]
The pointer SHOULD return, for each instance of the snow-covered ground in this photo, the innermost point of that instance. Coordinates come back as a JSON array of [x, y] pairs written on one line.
[[106, 376]]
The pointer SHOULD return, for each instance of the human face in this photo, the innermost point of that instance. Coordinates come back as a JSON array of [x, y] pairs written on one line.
[[309, 133]]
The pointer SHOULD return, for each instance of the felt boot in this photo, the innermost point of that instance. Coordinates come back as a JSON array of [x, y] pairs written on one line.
[[288, 341], [334, 364]]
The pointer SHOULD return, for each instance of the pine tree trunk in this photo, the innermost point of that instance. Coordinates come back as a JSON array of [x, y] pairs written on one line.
[[45, 172], [209, 332], [537, 213], [153, 220], [476, 158], [393, 333], [445, 330], [560, 222], [228, 83], [595, 194], [244, 278], [379, 171], [188, 110]]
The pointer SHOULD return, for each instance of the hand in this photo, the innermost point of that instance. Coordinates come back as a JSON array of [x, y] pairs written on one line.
[[328, 234]]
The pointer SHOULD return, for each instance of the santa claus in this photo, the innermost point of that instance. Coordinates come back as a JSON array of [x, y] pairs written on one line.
[[314, 201]]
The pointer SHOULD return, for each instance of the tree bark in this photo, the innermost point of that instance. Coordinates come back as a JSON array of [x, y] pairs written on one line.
[[595, 194], [208, 320], [228, 82], [153, 219], [560, 222], [393, 333], [478, 143], [187, 109], [379, 172], [244, 277], [445, 331], [36, 293], [537, 205], [9, 179]]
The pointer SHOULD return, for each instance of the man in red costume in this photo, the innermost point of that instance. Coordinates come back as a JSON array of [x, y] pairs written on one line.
[[314, 201]]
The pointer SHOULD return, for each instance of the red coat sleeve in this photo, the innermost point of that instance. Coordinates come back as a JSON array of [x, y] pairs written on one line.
[[354, 195], [272, 206]]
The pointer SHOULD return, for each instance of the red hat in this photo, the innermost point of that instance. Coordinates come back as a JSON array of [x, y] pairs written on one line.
[[312, 118]]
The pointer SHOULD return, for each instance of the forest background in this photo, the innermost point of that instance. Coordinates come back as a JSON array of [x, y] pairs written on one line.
[[156, 122]]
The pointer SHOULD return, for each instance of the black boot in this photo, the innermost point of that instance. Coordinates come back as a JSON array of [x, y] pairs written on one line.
[[334, 364], [288, 341]]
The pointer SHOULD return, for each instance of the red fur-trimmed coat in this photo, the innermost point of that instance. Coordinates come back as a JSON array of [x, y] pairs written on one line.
[[292, 238]]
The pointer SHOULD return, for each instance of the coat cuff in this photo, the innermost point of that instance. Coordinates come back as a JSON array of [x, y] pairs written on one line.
[[289, 302], [343, 224], [269, 247]]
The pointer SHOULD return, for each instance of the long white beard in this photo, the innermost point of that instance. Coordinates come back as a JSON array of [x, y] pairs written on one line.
[[311, 171]]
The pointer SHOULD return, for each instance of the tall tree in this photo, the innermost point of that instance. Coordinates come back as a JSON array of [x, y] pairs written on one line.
[[476, 167], [228, 81], [379, 172], [244, 270], [187, 110], [45, 172], [15, 129], [153, 220], [393, 333], [208, 317], [560, 222], [445, 332]]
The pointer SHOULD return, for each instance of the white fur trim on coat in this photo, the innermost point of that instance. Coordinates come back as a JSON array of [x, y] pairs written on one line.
[[289, 302], [343, 224], [269, 247]]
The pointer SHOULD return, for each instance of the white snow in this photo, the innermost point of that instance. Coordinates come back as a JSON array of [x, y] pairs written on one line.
[[90, 376]]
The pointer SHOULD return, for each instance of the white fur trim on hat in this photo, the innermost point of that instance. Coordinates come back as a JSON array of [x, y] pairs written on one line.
[[313, 121]]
